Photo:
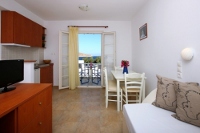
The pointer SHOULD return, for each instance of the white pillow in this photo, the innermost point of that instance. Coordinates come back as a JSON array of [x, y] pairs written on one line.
[[150, 97]]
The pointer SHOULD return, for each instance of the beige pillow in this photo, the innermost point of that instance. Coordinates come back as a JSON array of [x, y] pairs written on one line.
[[188, 103], [165, 96]]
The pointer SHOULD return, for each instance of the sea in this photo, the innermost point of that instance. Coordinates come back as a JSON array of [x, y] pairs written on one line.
[[94, 57]]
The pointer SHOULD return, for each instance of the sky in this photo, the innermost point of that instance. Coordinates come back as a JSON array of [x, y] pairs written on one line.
[[90, 44]]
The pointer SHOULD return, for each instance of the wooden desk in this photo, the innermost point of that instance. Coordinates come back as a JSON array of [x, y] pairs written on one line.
[[119, 76], [26, 109]]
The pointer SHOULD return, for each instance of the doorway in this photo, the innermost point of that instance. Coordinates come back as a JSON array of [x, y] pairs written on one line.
[[107, 56], [90, 59]]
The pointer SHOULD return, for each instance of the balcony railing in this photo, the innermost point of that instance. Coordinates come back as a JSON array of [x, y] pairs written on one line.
[[90, 73]]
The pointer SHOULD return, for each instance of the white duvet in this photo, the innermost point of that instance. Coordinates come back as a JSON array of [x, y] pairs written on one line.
[[146, 118]]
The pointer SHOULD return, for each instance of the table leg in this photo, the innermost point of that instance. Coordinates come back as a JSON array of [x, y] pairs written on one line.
[[118, 97]]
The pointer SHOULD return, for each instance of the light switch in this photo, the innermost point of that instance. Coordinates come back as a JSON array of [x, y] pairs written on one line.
[[179, 64], [179, 69]]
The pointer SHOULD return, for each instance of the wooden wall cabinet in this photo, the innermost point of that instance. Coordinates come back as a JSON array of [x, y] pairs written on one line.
[[12, 26], [18, 29], [46, 74], [28, 32], [37, 35], [27, 109]]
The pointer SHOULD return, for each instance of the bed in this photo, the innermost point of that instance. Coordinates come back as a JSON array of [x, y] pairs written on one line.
[[147, 118]]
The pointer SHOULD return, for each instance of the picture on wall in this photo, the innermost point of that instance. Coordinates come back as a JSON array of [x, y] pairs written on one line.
[[143, 31]]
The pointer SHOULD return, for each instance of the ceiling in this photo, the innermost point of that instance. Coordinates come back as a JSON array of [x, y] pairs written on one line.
[[69, 9]]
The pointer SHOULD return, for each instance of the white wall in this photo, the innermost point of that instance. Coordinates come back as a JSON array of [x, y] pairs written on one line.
[[123, 38], [172, 26]]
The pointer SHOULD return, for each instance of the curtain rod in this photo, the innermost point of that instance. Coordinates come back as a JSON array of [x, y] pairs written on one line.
[[89, 26]]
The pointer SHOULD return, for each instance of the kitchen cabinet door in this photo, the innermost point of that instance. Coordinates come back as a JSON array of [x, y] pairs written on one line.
[[46, 74], [37, 35], [19, 27], [28, 32], [7, 20], [12, 27], [16, 28], [34, 32]]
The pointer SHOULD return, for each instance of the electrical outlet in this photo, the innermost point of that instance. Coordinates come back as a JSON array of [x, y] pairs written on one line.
[[179, 75]]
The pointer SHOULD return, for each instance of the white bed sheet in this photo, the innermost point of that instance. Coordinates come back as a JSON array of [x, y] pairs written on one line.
[[146, 118]]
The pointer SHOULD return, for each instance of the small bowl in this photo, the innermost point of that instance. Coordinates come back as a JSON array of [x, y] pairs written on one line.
[[47, 61]]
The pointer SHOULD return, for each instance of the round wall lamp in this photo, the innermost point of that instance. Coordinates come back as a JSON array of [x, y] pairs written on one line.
[[187, 53], [83, 7]]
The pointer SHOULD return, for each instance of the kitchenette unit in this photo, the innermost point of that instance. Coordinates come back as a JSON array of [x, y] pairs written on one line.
[[37, 73]]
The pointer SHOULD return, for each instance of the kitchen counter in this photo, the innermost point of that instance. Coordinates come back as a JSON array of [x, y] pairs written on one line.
[[32, 71], [36, 66], [30, 60]]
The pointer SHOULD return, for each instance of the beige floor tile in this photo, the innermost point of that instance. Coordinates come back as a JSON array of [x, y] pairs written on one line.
[[66, 127], [83, 111]]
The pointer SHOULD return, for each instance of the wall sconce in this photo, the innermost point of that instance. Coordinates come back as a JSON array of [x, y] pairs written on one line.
[[83, 7], [187, 53]]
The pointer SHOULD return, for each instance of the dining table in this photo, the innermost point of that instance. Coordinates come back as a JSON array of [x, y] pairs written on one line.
[[119, 76]]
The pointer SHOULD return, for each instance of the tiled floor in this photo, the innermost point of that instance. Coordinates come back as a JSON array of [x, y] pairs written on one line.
[[83, 111]]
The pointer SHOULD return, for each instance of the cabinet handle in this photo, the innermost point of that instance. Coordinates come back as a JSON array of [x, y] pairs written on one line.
[[40, 123], [40, 103]]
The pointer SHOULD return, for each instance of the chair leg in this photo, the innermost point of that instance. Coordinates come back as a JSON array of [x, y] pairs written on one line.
[[137, 96], [126, 97], [106, 99], [97, 77], [121, 99], [140, 98]]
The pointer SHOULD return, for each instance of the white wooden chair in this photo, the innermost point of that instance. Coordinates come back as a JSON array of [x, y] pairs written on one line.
[[110, 89], [83, 73], [96, 74], [133, 86]]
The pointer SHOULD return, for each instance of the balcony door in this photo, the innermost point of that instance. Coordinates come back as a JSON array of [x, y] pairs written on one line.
[[108, 52], [107, 56], [63, 60], [90, 59]]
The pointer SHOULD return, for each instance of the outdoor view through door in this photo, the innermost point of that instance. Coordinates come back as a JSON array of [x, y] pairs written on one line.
[[90, 59]]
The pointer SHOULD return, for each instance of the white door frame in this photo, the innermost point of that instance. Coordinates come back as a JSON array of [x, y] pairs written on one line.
[[63, 60], [64, 76]]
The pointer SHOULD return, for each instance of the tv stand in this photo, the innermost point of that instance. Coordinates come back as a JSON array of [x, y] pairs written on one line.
[[27, 109], [8, 88]]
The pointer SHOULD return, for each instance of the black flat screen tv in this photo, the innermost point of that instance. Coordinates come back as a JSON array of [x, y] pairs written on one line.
[[11, 72]]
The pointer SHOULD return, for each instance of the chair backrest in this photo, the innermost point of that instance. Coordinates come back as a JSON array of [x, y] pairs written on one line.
[[99, 66], [118, 68], [80, 65], [135, 81], [81, 68]]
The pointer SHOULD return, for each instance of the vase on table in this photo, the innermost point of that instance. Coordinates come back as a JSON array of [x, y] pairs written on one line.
[[125, 70]]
